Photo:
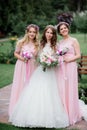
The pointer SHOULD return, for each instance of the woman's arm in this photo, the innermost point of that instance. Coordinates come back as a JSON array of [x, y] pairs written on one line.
[[77, 52], [18, 56]]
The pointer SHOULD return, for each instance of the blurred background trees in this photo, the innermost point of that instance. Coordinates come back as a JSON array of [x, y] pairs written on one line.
[[15, 15]]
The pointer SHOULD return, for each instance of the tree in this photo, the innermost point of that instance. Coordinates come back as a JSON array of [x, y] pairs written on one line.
[[15, 15], [81, 23], [77, 5]]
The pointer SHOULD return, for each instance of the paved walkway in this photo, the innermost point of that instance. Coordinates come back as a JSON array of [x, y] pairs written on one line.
[[4, 102]]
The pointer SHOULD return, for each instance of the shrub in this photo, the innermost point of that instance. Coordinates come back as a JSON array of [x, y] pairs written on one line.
[[9, 56], [83, 92]]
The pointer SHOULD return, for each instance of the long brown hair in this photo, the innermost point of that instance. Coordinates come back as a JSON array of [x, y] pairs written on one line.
[[54, 38]]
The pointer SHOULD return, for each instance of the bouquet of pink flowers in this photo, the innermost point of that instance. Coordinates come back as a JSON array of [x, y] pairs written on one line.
[[62, 51], [47, 60], [27, 55]]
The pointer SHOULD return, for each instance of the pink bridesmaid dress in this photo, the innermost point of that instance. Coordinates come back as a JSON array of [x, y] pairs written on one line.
[[22, 74], [68, 82]]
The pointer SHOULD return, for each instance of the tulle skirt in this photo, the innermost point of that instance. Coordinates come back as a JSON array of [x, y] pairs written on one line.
[[40, 104]]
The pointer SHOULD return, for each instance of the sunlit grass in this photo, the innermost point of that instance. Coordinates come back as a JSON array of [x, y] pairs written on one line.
[[82, 38], [6, 74]]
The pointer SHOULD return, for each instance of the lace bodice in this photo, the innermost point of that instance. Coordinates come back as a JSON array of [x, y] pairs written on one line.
[[47, 49], [67, 44]]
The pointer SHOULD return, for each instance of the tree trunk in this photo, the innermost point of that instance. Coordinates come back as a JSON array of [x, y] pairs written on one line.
[[78, 5]]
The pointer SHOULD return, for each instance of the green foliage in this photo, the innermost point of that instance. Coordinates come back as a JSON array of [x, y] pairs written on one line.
[[83, 88], [73, 27], [3, 57], [45, 65], [8, 56], [59, 4], [81, 22], [17, 24], [5, 46], [15, 15]]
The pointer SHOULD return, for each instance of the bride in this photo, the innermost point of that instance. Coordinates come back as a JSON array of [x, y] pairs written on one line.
[[39, 104]]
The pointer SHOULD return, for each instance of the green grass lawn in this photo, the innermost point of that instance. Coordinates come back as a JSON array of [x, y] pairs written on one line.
[[6, 74], [82, 41]]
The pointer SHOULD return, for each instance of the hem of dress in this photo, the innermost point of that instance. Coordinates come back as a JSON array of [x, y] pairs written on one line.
[[38, 126]]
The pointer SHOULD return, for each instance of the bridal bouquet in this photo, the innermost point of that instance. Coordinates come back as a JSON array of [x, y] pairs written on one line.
[[27, 55], [62, 51], [48, 60]]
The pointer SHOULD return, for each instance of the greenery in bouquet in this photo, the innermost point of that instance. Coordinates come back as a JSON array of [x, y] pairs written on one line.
[[47, 60]]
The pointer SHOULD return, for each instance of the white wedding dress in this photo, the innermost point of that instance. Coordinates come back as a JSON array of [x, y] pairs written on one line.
[[39, 104]]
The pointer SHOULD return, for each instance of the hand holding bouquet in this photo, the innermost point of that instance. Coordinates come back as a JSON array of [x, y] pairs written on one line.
[[47, 60], [62, 51], [27, 55]]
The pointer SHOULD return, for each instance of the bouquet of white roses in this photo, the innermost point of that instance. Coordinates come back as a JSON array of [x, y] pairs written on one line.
[[47, 60]]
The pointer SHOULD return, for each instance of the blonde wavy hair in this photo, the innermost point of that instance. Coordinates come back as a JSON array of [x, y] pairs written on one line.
[[26, 39]]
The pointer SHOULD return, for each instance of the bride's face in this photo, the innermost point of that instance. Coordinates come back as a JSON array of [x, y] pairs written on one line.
[[49, 34]]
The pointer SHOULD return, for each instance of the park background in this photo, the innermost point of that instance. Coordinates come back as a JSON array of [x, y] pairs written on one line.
[[15, 15]]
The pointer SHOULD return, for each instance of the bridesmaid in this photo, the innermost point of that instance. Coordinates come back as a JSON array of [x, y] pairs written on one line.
[[26, 51], [67, 71]]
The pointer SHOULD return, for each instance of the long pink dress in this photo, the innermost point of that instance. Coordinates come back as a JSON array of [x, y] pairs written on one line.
[[22, 74], [68, 82]]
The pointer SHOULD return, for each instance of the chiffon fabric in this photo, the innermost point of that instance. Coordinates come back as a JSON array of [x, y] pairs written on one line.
[[68, 82], [40, 104], [22, 74]]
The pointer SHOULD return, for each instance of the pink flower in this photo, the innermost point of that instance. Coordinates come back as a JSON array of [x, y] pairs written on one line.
[[62, 51], [47, 61], [27, 55]]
